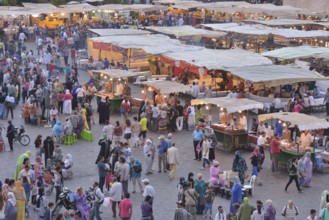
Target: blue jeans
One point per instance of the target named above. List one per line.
(95, 212)
(208, 206)
(205, 161)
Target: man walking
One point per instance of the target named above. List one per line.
(98, 201)
(172, 158)
(115, 194)
(162, 153)
(126, 208)
(275, 151)
(290, 211)
(148, 153)
(197, 140)
(148, 190)
(102, 172)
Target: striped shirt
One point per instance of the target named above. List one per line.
(290, 213)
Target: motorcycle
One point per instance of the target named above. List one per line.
(67, 200)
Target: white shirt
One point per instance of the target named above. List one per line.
(243, 122)
(305, 140)
(311, 100)
(99, 196)
(147, 149)
(40, 41)
(21, 36)
(116, 191)
(155, 112)
(80, 92)
(108, 130)
(220, 216)
(195, 90)
(261, 140)
(277, 103)
(27, 174)
(268, 131)
(148, 191)
(119, 89)
(257, 216)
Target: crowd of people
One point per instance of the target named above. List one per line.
(44, 98)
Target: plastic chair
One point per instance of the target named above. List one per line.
(69, 140)
(75, 138)
(250, 187)
(87, 135)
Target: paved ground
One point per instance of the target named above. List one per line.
(85, 172)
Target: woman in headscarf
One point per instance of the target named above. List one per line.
(190, 179)
(104, 110)
(20, 200)
(239, 165)
(200, 188)
(215, 171)
(80, 125)
(82, 203)
(21, 159)
(58, 131)
(245, 210)
(270, 211)
(68, 163)
(236, 194)
(308, 167)
(67, 106)
(105, 148)
(10, 208)
(37, 167)
(68, 127)
(141, 110)
(84, 115)
(74, 100)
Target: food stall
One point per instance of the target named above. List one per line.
(163, 89)
(228, 131)
(291, 121)
(106, 81)
(204, 63)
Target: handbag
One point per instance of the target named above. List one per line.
(195, 200)
(198, 147)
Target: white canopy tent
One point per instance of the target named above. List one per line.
(83, 7)
(152, 44)
(116, 73)
(230, 104)
(275, 75)
(304, 122)
(296, 52)
(257, 29)
(134, 7)
(281, 22)
(116, 32)
(219, 59)
(166, 87)
(185, 30)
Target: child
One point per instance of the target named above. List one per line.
(180, 187)
(136, 127)
(221, 215)
(205, 152)
(58, 153)
(312, 215)
(209, 200)
(48, 211)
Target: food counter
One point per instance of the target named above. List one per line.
(230, 138)
(287, 154)
(115, 102)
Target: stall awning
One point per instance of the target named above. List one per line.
(304, 122)
(230, 104)
(219, 59)
(295, 52)
(116, 73)
(115, 32)
(282, 22)
(134, 7)
(152, 44)
(258, 29)
(275, 75)
(167, 87)
(83, 7)
(185, 30)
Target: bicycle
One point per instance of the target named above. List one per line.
(22, 138)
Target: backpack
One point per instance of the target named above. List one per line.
(291, 168)
(137, 168)
(123, 108)
(285, 211)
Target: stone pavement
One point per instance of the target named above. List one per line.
(85, 171)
